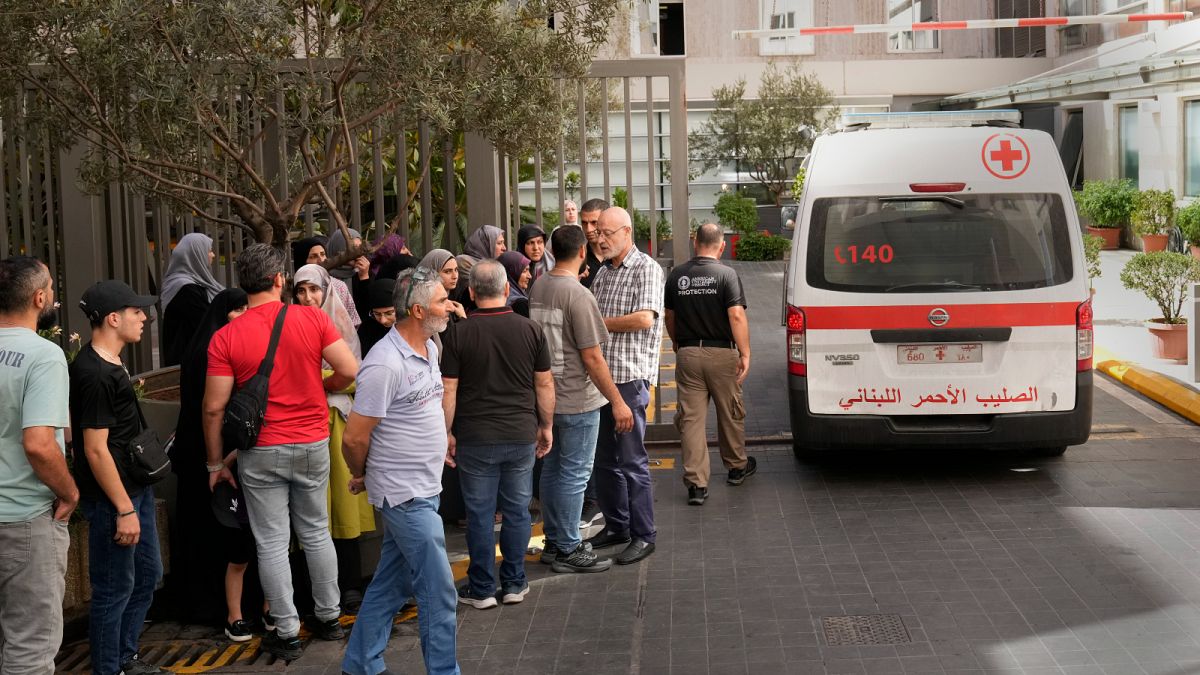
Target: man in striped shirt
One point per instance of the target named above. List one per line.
(629, 293)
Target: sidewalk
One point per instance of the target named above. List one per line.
(1123, 346)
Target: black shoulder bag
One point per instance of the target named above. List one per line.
(146, 461)
(248, 406)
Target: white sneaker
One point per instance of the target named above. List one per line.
(465, 597)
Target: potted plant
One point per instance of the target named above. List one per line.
(1163, 276)
(1153, 216)
(1188, 222)
(1109, 206)
(1091, 254)
(737, 213)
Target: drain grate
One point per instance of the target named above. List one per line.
(866, 629)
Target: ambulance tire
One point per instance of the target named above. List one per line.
(1056, 451)
(804, 454)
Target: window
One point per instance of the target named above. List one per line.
(670, 21)
(1191, 149)
(1127, 141)
(907, 12)
(967, 242)
(1074, 36)
(785, 14)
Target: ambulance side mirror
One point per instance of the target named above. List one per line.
(787, 216)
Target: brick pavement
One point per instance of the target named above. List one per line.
(991, 563)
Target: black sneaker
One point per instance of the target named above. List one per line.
(582, 559)
(238, 631)
(608, 538)
(697, 495)
(287, 649)
(136, 666)
(549, 553)
(268, 622)
(330, 630)
(591, 514)
(737, 476)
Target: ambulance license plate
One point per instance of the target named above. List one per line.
(971, 352)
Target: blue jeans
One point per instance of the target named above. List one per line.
(489, 473)
(123, 580)
(285, 487)
(565, 473)
(412, 561)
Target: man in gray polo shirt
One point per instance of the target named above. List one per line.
(395, 447)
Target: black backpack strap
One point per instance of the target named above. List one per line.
(268, 362)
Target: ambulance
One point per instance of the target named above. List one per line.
(937, 295)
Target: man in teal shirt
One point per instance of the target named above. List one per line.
(37, 493)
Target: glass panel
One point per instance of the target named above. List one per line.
(968, 242)
(1127, 137)
(1191, 149)
(907, 12)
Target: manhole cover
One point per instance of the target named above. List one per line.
(867, 629)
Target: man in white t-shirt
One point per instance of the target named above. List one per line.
(395, 447)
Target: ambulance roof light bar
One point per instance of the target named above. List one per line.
(972, 24)
(930, 119)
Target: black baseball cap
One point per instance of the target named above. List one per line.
(229, 506)
(106, 297)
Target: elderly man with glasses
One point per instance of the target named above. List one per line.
(394, 445)
(629, 292)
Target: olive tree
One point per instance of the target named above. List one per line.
(175, 98)
(767, 135)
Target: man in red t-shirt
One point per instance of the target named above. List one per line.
(285, 476)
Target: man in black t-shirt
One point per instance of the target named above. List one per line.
(499, 404)
(124, 563)
(706, 319)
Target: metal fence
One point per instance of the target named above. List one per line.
(122, 234)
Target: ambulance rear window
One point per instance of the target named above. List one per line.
(933, 243)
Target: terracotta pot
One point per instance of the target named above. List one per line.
(1168, 340)
(1195, 252)
(1154, 242)
(1110, 235)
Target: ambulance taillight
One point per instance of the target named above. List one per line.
(795, 341)
(1083, 337)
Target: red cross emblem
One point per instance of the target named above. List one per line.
(1005, 156)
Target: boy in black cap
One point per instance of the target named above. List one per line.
(124, 563)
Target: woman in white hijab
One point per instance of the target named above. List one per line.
(187, 289)
(311, 287)
(349, 515)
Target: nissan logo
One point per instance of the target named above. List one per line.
(939, 317)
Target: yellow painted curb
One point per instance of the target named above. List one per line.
(1156, 386)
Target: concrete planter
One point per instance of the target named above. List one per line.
(1168, 340)
(1110, 235)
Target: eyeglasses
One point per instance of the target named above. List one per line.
(420, 275)
(382, 315)
(608, 234)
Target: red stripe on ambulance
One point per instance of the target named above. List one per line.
(961, 316)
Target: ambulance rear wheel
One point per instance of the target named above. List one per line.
(1056, 451)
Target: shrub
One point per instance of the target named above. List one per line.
(641, 222)
(1107, 203)
(1188, 220)
(1091, 253)
(1162, 276)
(1154, 212)
(798, 183)
(758, 246)
(736, 212)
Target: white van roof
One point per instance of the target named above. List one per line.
(986, 159)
